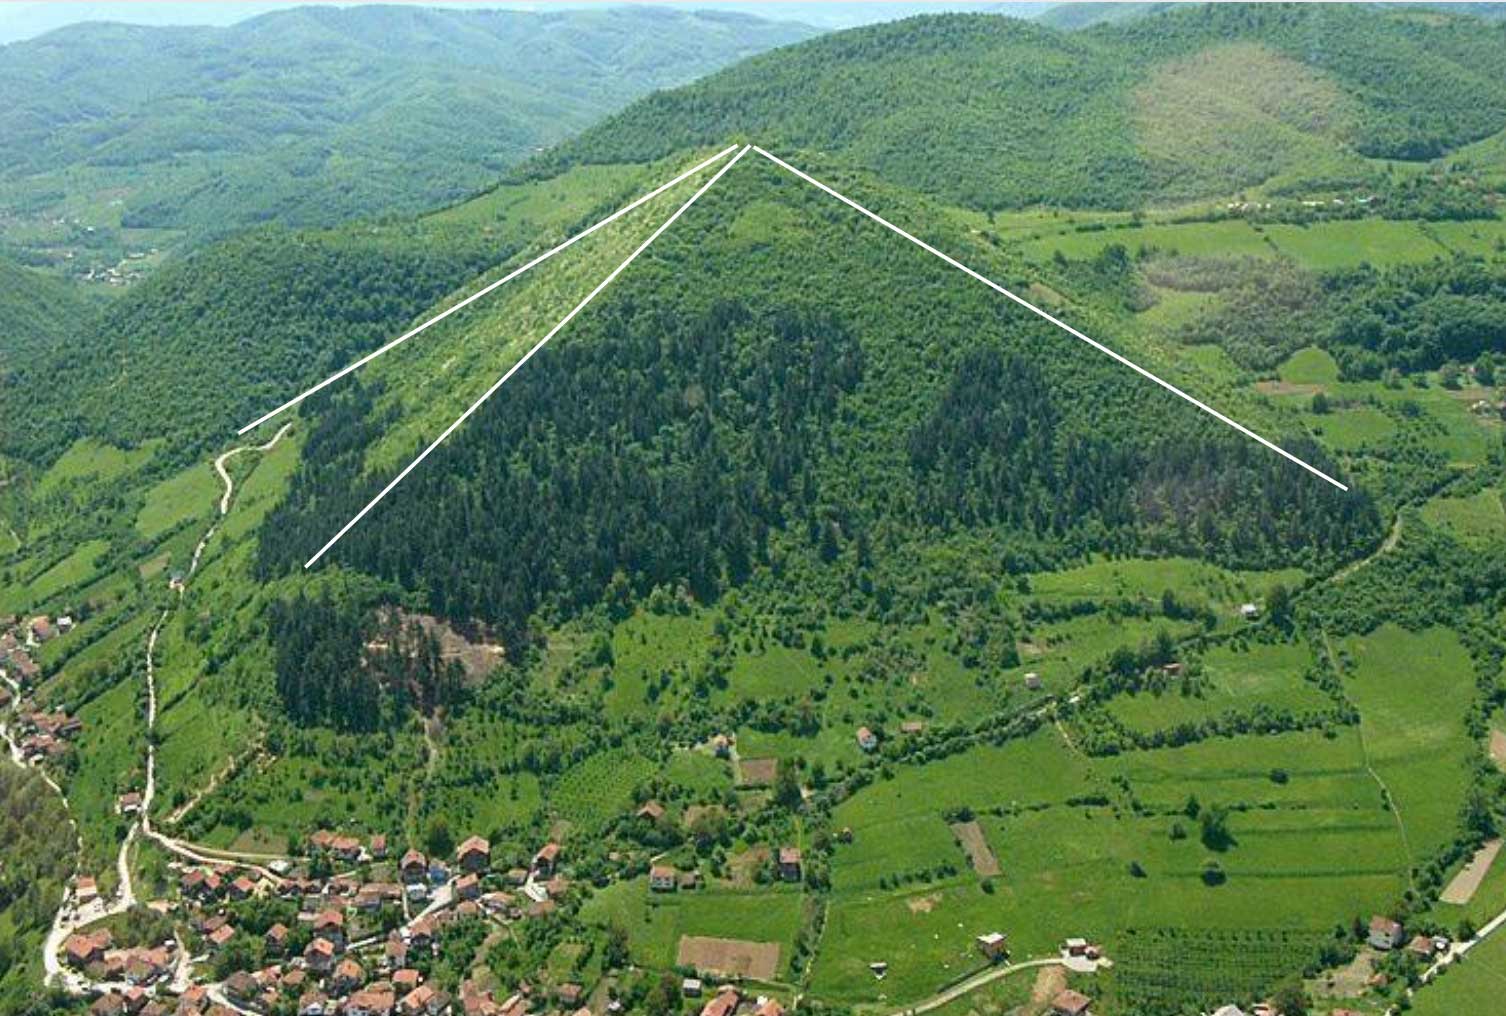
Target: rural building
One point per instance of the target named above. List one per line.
(1033, 681)
(319, 956)
(378, 847)
(911, 727)
(276, 938)
(663, 878)
(768, 1007)
(474, 855)
(129, 803)
(1229, 1010)
(1070, 1003)
(993, 945)
(691, 987)
(1249, 611)
(413, 866)
(724, 1004)
(1421, 945)
(330, 925)
(468, 887)
(547, 857)
(314, 1003)
(867, 740)
(1075, 946)
(220, 936)
(789, 864)
(1385, 934)
(651, 810)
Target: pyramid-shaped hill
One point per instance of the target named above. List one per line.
(779, 379)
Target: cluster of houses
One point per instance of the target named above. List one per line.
(1386, 935)
(93, 953)
(729, 1000)
(18, 641)
(338, 962)
(42, 735)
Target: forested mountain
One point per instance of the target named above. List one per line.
(996, 113)
(751, 398)
(36, 313)
(797, 538)
(319, 114)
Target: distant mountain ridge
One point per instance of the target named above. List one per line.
(997, 113)
(312, 115)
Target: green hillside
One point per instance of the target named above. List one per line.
(995, 113)
(1129, 675)
(37, 314)
(121, 138)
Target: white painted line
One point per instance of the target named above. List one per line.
(337, 375)
(1247, 432)
(527, 356)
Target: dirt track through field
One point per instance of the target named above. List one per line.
(970, 835)
(1461, 888)
(730, 957)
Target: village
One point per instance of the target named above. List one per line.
(37, 735)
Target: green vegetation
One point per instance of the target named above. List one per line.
(137, 138)
(924, 91)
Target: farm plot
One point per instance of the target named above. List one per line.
(975, 843)
(594, 791)
(729, 957)
(1082, 856)
(1462, 887)
(1412, 692)
(656, 923)
(1169, 969)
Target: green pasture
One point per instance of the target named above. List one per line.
(656, 921)
(1476, 520)
(1349, 242)
(1412, 691)
(191, 494)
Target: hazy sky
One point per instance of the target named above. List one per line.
(25, 19)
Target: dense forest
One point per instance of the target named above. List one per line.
(697, 428)
(207, 344)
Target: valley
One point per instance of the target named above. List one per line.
(806, 617)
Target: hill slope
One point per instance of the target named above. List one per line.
(314, 115)
(996, 113)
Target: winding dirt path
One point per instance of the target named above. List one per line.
(68, 918)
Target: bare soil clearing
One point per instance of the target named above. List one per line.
(1461, 889)
(756, 772)
(729, 957)
(970, 835)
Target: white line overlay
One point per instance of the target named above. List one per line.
(603, 284)
(337, 375)
(1247, 432)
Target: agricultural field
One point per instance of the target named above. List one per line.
(1416, 742)
(1477, 520)
(1235, 678)
(655, 922)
